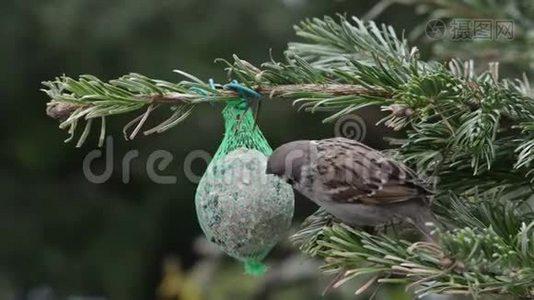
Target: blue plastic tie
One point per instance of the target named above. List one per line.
(211, 83)
(244, 92)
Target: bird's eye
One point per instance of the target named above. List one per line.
(290, 181)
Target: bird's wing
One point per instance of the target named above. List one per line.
(354, 173)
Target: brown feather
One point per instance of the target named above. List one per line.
(355, 173)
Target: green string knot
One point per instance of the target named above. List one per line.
(255, 268)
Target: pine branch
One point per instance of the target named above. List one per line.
(473, 260)
(332, 44)
(89, 97)
(456, 120)
(470, 115)
(514, 53)
(472, 132)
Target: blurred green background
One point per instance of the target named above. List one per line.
(63, 237)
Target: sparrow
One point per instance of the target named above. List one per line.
(356, 184)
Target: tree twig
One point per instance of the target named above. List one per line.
(60, 109)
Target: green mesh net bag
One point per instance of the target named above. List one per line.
(241, 209)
